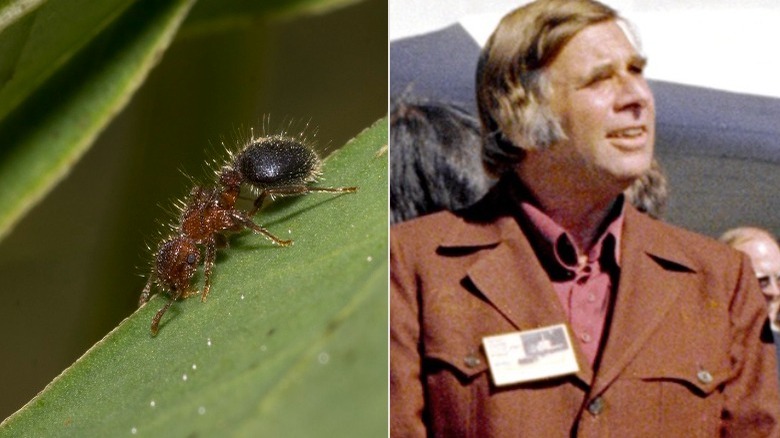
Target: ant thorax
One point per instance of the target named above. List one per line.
(207, 213)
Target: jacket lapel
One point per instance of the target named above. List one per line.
(646, 292)
(510, 277)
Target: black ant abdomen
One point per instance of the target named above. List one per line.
(275, 165)
(277, 162)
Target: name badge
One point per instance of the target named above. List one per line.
(530, 355)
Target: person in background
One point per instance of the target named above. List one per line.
(762, 248)
(552, 307)
(435, 163)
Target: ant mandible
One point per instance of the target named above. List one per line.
(273, 165)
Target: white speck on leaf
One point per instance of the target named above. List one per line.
(323, 358)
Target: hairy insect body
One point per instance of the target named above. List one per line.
(278, 162)
(271, 166)
(206, 215)
(275, 166)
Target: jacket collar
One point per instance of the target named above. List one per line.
(487, 222)
(493, 220)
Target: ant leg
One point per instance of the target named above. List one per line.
(220, 241)
(296, 190)
(302, 190)
(158, 316)
(245, 221)
(146, 292)
(161, 312)
(331, 189)
(208, 264)
(258, 203)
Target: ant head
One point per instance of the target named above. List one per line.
(176, 262)
(277, 161)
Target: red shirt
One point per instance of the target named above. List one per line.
(583, 281)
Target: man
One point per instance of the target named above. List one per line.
(764, 253)
(662, 331)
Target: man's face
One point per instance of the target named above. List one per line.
(605, 107)
(765, 256)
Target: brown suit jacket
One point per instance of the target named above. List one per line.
(687, 354)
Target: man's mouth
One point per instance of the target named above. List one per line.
(630, 139)
(628, 133)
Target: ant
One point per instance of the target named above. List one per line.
(273, 165)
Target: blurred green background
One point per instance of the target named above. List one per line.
(72, 267)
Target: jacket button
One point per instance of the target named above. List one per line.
(704, 376)
(472, 361)
(596, 406)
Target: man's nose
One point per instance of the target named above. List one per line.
(635, 95)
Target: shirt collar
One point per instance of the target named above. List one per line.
(554, 245)
(561, 241)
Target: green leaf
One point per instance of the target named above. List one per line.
(66, 68)
(210, 16)
(12, 10)
(208, 12)
(292, 341)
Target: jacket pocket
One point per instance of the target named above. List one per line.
(680, 395)
(457, 383)
(697, 380)
(460, 355)
(453, 324)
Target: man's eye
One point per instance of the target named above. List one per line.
(637, 69)
(597, 80)
(637, 65)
